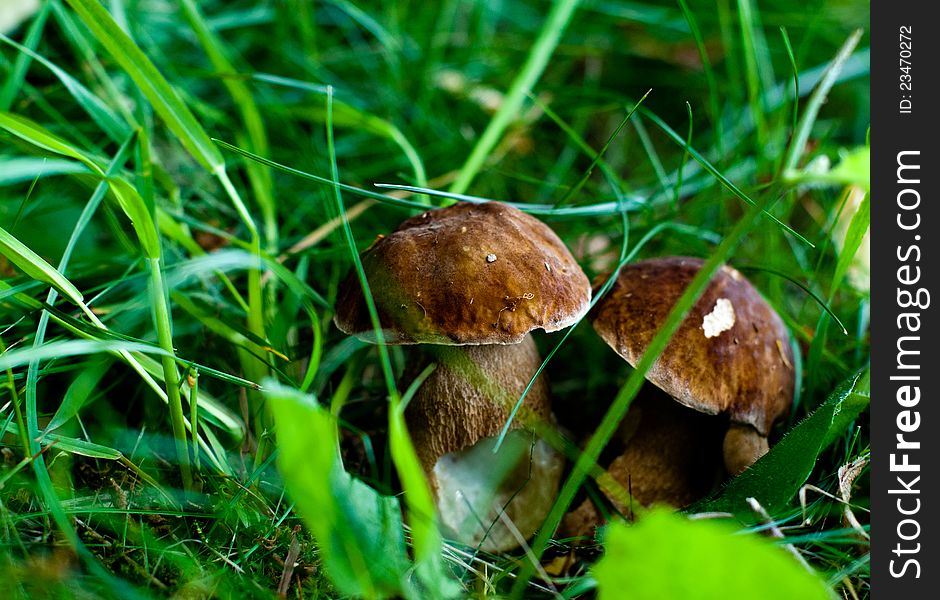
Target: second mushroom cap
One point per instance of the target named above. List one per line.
(731, 354)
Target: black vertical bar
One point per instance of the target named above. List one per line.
(905, 406)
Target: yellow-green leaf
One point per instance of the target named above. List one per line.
(666, 555)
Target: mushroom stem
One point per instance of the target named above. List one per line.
(742, 447)
(454, 419)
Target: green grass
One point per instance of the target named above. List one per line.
(184, 185)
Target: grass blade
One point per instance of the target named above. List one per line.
(100, 113)
(39, 136)
(555, 24)
(718, 175)
(826, 81)
(35, 267)
(426, 538)
(166, 102)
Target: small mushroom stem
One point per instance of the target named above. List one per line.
(742, 447)
(454, 419)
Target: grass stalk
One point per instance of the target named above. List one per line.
(164, 327)
(542, 49)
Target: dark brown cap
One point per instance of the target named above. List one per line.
(466, 274)
(730, 355)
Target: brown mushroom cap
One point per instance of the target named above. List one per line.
(730, 355)
(454, 418)
(466, 274)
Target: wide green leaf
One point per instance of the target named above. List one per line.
(855, 232)
(775, 479)
(359, 532)
(666, 555)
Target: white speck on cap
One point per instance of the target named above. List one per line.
(490, 258)
(720, 319)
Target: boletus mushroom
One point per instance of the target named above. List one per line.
(730, 360)
(469, 282)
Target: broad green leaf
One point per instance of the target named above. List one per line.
(34, 266)
(166, 102)
(359, 532)
(775, 479)
(37, 135)
(665, 555)
(854, 167)
(421, 511)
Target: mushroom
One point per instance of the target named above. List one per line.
(730, 357)
(470, 282)
(662, 453)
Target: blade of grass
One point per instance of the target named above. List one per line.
(796, 77)
(604, 209)
(611, 279)
(816, 99)
(78, 393)
(685, 157)
(218, 55)
(599, 156)
(542, 49)
(18, 73)
(158, 91)
(718, 175)
(751, 69)
(651, 153)
(35, 267)
(822, 303)
(614, 181)
(713, 103)
(100, 113)
(177, 116)
(37, 135)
